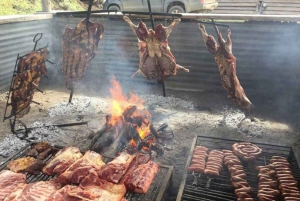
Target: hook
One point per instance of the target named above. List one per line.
(36, 40)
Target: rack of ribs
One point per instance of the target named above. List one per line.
(156, 59)
(79, 47)
(227, 67)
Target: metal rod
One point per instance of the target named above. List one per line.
(71, 93)
(221, 25)
(89, 13)
(147, 13)
(164, 89)
(212, 19)
(86, 12)
(61, 125)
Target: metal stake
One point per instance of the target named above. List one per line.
(152, 23)
(71, 93)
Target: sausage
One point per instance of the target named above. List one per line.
(272, 184)
(194, 161)
(291, 199)
(287, 190)
(240, 184)
(265, 179)
(233, 162)
(244, 189)
(235, 173)
(289, 185)
(211, 172)
(265, 197)
(196, 168)
(243, 195)
(281, 164)
(269, 191)
(287, 181)
(245, 199)
(295, 195)
(201, 148)
(238, 179)
(278, 157)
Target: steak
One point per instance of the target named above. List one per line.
(9, 182)
(79, 47)
(227, 67)
(78, 170)
(141, 178)
(62, 161)
(116, 169)
(156, 59)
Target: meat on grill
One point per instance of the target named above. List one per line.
(267, 185)
(62, 195)
(198, 159)
(62, 160)
(287, 183)
(93, 188)
(227, 67)
(214, 163)
(156, 59)
(26, 80)
(137, 161)
(246, 151)
(116, 169)
(141, 178)
(9, 182)
(37, 191)
(26, 164)
(238, 179)
(79, 169)
(79, 47)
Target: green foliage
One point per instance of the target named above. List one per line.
(13, 7)
(70, 5)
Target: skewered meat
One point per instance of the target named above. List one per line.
(227, 66)
(287, 183)
(156, 59)
(62, 160)
(9, 182)
(214, 163)
(116, 169)
(37, 191)
(79, 47)
(246, 151)
(141, 178)
(78, 170)
(198, 159)
(243, 191)
(26, 80)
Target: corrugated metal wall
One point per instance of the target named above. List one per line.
(16, 38)
(267, 55)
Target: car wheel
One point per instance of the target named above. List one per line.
(176, 9)
(114, 8)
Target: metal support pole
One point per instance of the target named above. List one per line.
(89, 13)
(71, 93)
(152, 23)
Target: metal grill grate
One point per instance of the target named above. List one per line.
(220, 188)
(156, 190)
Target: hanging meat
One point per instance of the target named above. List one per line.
(26, 80)
(156, 59)
(227, 67)
(79, 47)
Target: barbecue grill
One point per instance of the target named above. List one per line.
(155, 193)
(220, 188)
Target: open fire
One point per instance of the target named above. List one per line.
(128, 127)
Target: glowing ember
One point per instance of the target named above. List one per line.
(132, 143)
(120, 102)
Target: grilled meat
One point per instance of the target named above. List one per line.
(227, 67)
(198, 159)
(156, 59)
(214, 163)
(246, 151)
(79, 47)
(21, 164)
(9, 181)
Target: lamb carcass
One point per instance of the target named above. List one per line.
(156, 59)
(227, 66)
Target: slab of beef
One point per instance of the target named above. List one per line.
(141, 178)
(62, 195)
(62, 160)
(137, 161)
(79, 47)
(227, 67)
(37, 191)
(156, 59)
(116, 169)
(78, 170)
(26, 80)
(9, 181)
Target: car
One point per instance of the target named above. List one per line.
(161, 6)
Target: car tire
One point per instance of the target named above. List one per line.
(114, 8)
(176, 9)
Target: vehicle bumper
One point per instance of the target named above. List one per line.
(206, 6)
(210, 6)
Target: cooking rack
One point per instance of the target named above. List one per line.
(220, 188)
(156, 191)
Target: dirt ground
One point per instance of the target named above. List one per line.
(187, 114)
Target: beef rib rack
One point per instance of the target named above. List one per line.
(227, 66)
(156, 59)
(79, 47)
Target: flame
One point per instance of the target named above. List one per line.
(132, 143)
(119, 102)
